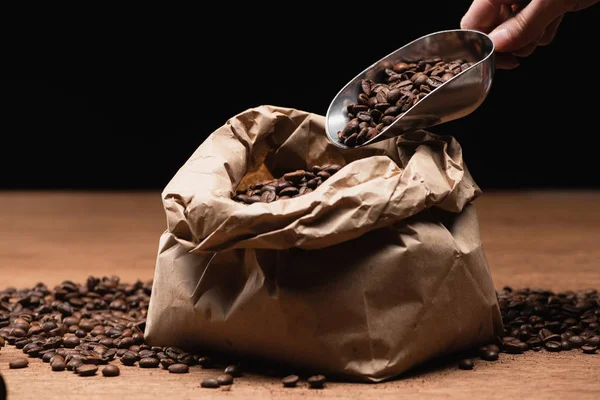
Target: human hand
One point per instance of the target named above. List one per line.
(517, 27)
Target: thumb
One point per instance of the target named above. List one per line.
(526, 26)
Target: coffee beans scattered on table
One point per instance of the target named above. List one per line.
(290, 185)
(79, 327)
(536, 319)
(402, 86)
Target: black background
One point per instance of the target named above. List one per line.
(124, 111)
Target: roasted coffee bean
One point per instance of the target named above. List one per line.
(210, 383)
(489, 355)
(149, 362)
(387, 120)
(513, 348)
(47, 356)
(587, 349)
(294, 177)
(553, 346)
(129, 358)
(58, 365)
(268, 197)
(178, 368)
(71, 342)
(576, 342)
(401, 67)
(465, 364)
(593, 341)
(234, 371)
(225, 380)
(148, 354)
(18, 363)
(87, 370)
(290, 381)
(316, 382)
(110, 371)
(565, 345)
(205, 362)
(73, 364)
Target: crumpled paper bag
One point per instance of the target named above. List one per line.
(378, 270)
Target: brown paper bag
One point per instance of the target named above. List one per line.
(379, 269)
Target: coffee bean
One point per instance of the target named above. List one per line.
(576, 342)
(565, 345)
(149, 354)
(71, 341)
(512, 348)
(593, 341)
(47, 356)
(465, 364)
(87, 370)
(587, 349)
(225, 379)
(58, 365)
(294, 177)
(149, 362)
(316, 382)
(234, 371)
(18, 363)
(366, 87)
(401, 67)
(129, 358)
(290, 381)
(34, 350)
(387, 120)
(419, 79)
(553, 346)
(210, 383)
(111, 370)
(179, 369)
(73, 364)
(324, 175)
(205, 362)
(447, 76)
(489, 355)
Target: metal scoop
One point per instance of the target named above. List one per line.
(453, 99)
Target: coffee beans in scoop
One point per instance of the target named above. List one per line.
(402, 86)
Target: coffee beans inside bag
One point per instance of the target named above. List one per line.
(374, 267)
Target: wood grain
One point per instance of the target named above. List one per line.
(534, 239)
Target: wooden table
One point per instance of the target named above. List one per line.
(535, 239)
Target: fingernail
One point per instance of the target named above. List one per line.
(500, 37)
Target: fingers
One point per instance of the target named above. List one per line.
(483, 15)
(581, 4)
(525, 51)
(506, 61)
(550, 32)
(526, 26)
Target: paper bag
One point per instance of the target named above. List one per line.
(379, 269)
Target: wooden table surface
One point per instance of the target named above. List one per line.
(534, 239)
